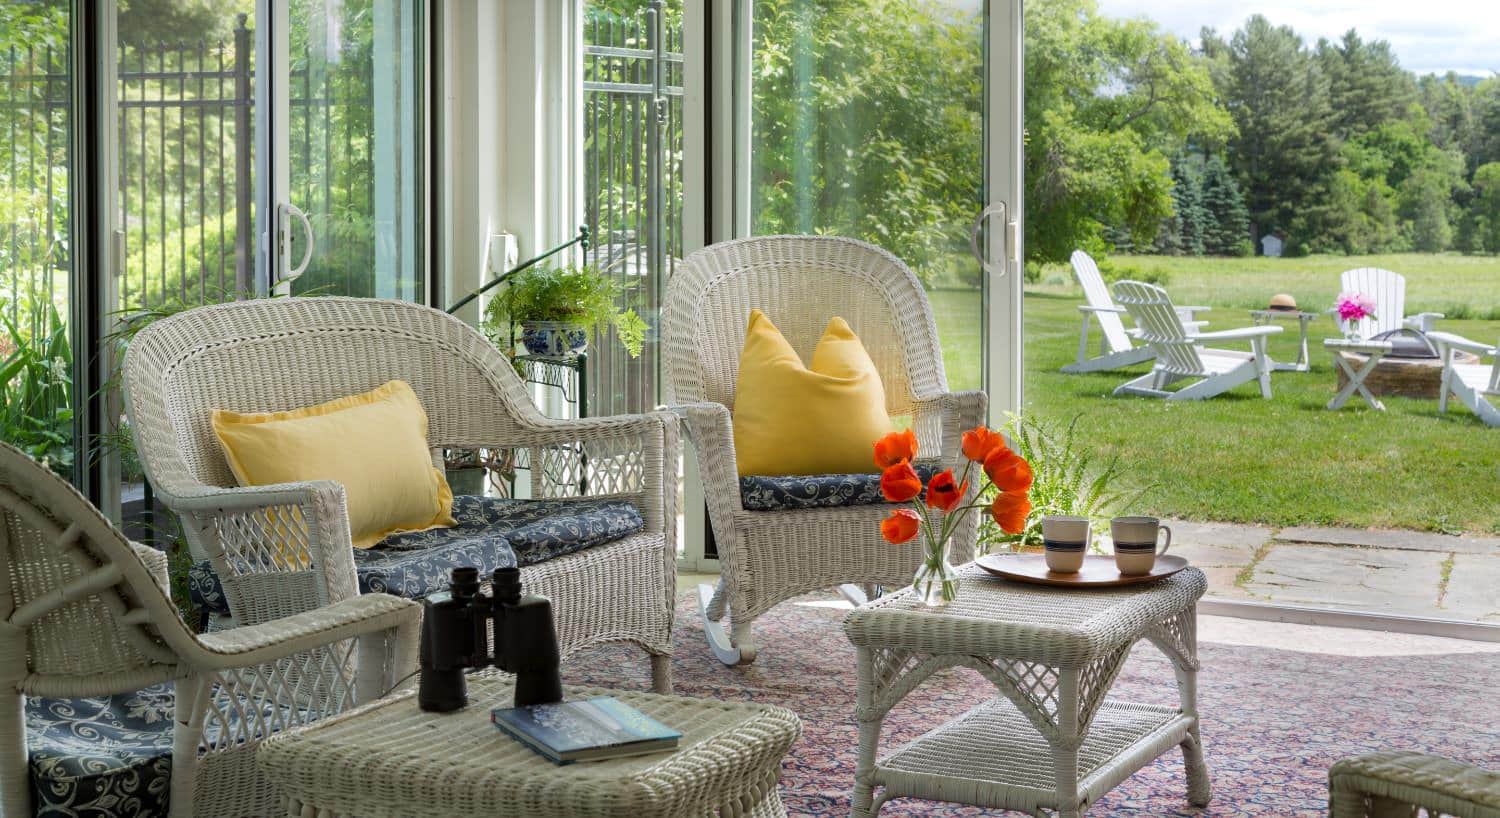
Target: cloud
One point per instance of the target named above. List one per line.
(1432, 36)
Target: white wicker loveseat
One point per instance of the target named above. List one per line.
(278, 550)
(770, 554)
(111, 705)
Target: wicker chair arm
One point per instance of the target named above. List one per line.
(156, 563)
(321, 525)
(280, 638)
(711, 432)
(1411, 780)
(544, 430)
(958, 412)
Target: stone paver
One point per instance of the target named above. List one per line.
(1217, 545)
(1405, 540)
(1474, 588)
(1359, 579)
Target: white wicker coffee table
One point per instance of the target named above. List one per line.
(391, 759)
(1053, 739)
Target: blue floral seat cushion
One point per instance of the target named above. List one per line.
(101, 756)
(803, 491)
(490, 533)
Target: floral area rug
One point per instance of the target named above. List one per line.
(1273, 720)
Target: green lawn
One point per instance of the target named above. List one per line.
(1286, 461)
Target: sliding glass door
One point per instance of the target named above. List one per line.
(37, 371)
(882, 120)
(347, 136)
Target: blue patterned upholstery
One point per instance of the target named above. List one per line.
(795, 492)
(491, 533)
(102, 756)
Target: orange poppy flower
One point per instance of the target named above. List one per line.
(981, 442)
(901, 526)
(944, 493)
(1008, 471)
(895, 448)
(900, 483)
(1010, 511)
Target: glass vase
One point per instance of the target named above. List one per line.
(936, 581)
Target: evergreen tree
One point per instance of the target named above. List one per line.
(1286, 149)
(1366, 84)
(1182, 232)
(1226, 222)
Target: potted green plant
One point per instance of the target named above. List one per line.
(557, 307)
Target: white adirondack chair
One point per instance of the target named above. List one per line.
(1116, 348)
(1473, 384)
(1180, 352)
(1388, 290)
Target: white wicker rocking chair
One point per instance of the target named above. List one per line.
(282, 353)
(83, 612)
(767, 557)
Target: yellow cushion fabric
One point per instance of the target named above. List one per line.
(374, 444)
(793, 419)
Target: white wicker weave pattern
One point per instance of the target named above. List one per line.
(800, 282)
(392, 759)
(282, 549)
(1378, 785)
(1054, 740)
(83, 613)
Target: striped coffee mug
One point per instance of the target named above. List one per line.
(1136, 543)
(1064, 541)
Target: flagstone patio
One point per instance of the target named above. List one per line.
(1394, 572)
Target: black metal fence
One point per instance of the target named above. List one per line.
(633, 114)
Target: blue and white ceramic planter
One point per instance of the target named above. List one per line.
(553, 338)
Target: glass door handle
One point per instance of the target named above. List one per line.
(289, 211)
(1012, 238)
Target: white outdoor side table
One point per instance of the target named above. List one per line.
(1374, 351)
(389, 759)
(1053, 739)
(1266, 317)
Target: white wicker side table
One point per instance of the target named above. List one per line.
(391, 759)
(1052, 739)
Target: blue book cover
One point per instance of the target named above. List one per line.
(589, 730)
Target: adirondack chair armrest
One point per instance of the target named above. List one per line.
(1422, 321)
(1447, 340)
(1190, 312)
(1089, 308)
(1243, 333)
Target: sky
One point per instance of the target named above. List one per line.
(1429, 36)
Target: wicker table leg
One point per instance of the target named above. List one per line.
(862, 801)
(1065, 744)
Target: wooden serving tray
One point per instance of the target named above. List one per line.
(1097, 571)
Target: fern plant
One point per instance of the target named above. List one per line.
(576, 297)
(1068, 479)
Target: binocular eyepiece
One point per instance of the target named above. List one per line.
(460, 626)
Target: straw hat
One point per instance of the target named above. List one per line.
(1283, 301)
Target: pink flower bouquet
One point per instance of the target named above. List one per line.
(1354, 306)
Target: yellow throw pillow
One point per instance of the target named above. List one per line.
(792, 419)
(374, 444)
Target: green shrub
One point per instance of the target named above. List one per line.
(36, 383)
(1069, 479)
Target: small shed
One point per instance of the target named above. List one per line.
(1271, 246)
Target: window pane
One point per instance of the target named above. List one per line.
(867, 122)
(354, 132)
(36, 120)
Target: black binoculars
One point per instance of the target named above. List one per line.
(460, 625)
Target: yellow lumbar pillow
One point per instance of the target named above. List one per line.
(374, 444)
(793, 419)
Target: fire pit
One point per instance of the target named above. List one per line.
(1411, 369)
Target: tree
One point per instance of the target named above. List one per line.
(1484, 211)
(1366, 84)
(1096, 161)
(1226, 230)
(1284, 149)
(1182, 234)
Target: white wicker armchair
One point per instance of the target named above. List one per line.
(277, 354)
(83, 612)
(1411, 785)
(767, 557)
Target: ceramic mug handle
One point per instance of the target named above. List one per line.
(1168, 543)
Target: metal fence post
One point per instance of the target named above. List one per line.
(244, 190)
